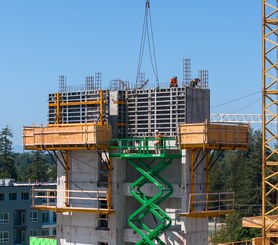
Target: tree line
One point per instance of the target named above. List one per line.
(24, 167)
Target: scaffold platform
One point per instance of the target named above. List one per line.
(69, 200)
(66, 137)
(213, 136)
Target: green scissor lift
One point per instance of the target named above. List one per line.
(43, 241)
(149, 161)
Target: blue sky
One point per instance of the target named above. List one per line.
(41, 40)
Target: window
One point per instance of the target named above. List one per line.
(23, 238)
(23, 216)
(45, 217)
(33, 232)
(54, 217)
(4, 217)
(45, 232)
(52, 200)
(2, 196)
(24, 196)
(34, 216)
(102, 223)
(4, 236)
(40, 195)
(102, 174)
(54, 232)
(12, 196)
(19, 217)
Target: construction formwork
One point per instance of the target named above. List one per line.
(131, 113)
(76, 106)
(163, 109)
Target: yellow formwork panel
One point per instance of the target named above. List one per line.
(66, 136)
(213, 136)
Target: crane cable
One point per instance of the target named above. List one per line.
(147, 31)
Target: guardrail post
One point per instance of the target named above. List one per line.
(33, 196)
(47, 198)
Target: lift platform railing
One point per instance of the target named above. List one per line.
(210, 204)
(144, 147)
(52, 198)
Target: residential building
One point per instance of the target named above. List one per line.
(18, 220)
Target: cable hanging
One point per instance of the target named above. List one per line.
(147, 32)
(234, 100)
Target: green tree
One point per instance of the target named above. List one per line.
(38, 168)
(35, 166)
(23, 161)
(7, 160)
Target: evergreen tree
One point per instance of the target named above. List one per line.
(23, 161)
(37, 170)
(7, 160)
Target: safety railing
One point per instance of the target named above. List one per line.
(144, 147)
(211, 204)
(78, 199)
(246, 242)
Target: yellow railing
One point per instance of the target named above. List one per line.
(210, 204)
(69, 198)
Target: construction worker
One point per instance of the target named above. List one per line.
(173, 82)
(158, 141)
(194, 82)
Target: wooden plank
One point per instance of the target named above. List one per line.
(204, 214)
(203, 135)
(256, 222)
(66, 135)
(74, 209)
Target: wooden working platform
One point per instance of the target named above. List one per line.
(66, 137)
(213, 136)
(82, 201)
(256, 222)
(74, 209)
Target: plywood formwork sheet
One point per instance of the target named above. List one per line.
(213, 135)
(66, 135)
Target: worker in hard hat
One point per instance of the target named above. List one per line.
(158, 141)
(173, 82)
(194, 82)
